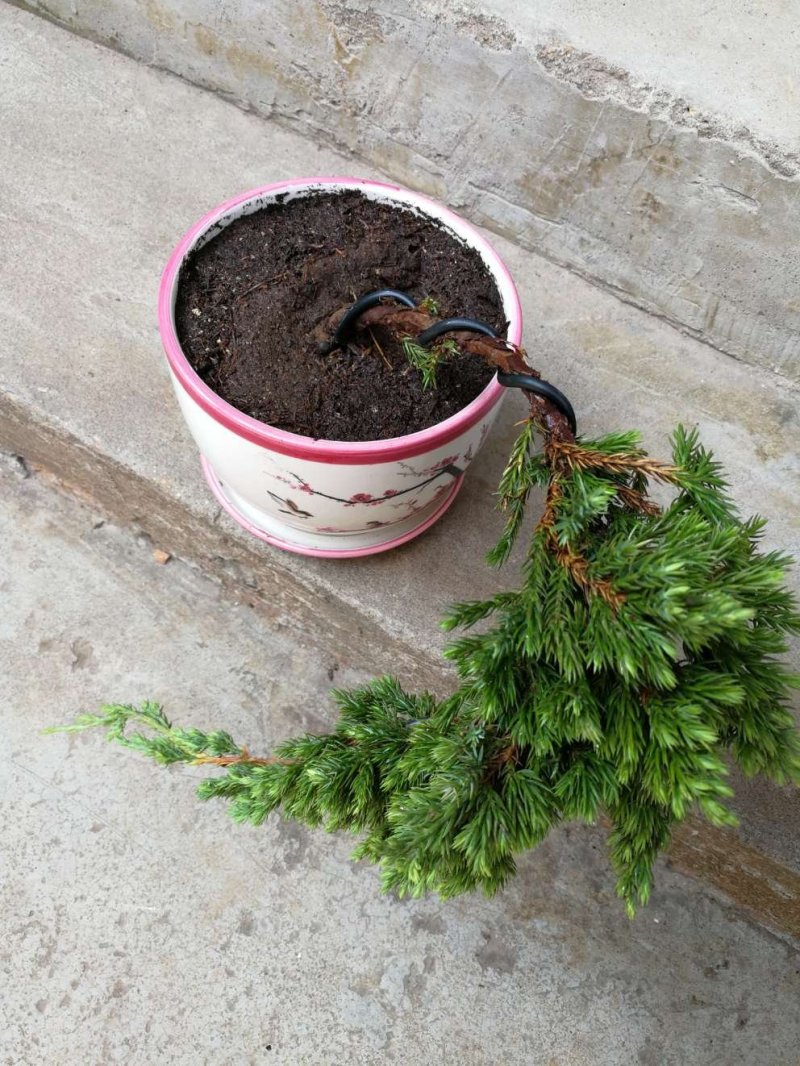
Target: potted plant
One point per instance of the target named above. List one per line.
(332, 498)
(637, 656)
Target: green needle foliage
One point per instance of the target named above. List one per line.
(428, 360)
(429, 304)
(637, 655)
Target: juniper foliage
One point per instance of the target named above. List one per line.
(427, 360)
(638, 652)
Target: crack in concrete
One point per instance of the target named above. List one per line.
(596, 79)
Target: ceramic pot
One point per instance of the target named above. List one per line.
(318, 497)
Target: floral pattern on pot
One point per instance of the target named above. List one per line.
(405, 500)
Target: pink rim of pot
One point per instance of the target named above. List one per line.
(328, 451)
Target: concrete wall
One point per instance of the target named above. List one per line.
(635, 176)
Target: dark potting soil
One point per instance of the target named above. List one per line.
(250, 300)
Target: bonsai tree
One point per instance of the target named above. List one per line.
(636, 655)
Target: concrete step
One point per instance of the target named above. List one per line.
(656, 152)
(131, 910)
(104, 163)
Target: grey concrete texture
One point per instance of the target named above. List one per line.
(103, 165)
(652, 149)
(143, 927)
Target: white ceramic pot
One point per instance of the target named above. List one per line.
(319, 497)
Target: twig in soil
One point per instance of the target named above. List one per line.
(261, 284)
(386, 362)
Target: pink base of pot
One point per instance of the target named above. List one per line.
(327, 553)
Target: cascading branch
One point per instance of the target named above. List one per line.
(639, 650)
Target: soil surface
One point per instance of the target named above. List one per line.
(250, 300)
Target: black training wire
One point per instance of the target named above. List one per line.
(345, 327)
(543, 389)
(519, 381)
(450, 325)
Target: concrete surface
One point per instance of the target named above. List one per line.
(654, 148)
(142, 927)
(104, 163)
